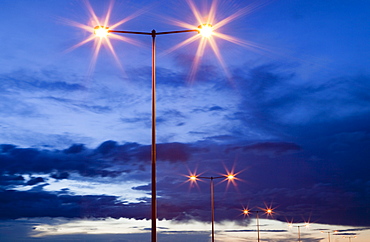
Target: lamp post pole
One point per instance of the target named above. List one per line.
(153, 34)
(246, 211)
(212, 186)
(268, 211)
(213, 208)
(299, 230)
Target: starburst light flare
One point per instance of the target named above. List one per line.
(99, 33)
(209, 28)
(206, 30)
(231, 177)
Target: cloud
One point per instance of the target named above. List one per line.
(280, 174)
(30, 81)
(271, 148)
(18, 204)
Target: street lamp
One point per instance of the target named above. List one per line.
(267, 211)
(349, 237)
(103, 31)
(306, 225)
(329, 232)
(229, 177)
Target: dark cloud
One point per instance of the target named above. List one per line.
(16, 204)
(273, 148)
(102, 161)
(35, 180)
(74, 149)
(60, 176)
(11, 180)
(281, 174)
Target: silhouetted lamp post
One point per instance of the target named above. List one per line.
(211, 178)
(103, 32)
(267, 211)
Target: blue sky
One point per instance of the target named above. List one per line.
(286, 108)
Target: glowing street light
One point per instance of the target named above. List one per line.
(229, 177)
(349, 237)
(329, 232)
(306, 225)
(206, 30)
(267, 211)
(102, 32)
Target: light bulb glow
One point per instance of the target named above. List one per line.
(230, 176)
(193, 178)
(206, 30)
(101, 31)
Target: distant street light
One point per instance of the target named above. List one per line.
(103, 32)
(306, 225)
(229, 177)
(329, 232)
(349, 237)
(267, 211)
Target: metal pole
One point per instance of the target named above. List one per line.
(154, 150)
(258, 227)
(299, 233)
(329, 236)
(213, 210)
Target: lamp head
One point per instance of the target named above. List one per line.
(205, 30)
(193, 178)
(230, 176)
(245, 211)
(101, 31)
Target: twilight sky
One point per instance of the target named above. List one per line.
(284, 103)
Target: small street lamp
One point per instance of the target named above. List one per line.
(229, 177)
(329, 232)
(349, 237)
(306, 225)
(267, 211)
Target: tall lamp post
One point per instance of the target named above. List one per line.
(267, 211)
(103, 31)
(211, 178)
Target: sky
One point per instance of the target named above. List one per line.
(278, 96)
